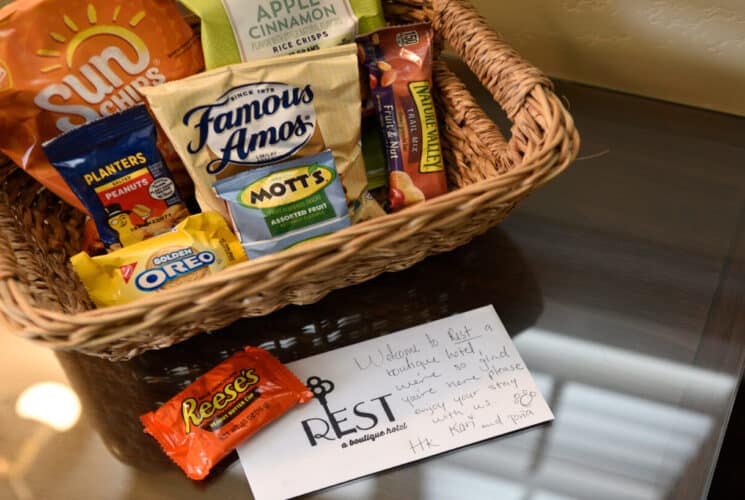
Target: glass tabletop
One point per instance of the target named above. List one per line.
(621, 283)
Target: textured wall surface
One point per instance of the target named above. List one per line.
(688, 51)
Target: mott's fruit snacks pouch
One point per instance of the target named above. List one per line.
(253, 114)
(200, 245)
(280, 206)
(399, 60)
(64, 63)
(244, 30)
(205, 422)
(115, 169)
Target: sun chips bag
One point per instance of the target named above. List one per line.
(64, 63)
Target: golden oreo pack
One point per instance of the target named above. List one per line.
(64, 63)
(200, 245)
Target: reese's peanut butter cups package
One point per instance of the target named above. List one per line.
(64, 63)
(399, 60)
(114, 168)
(279, 206)
(244, 30)
(202, 424)
(258, 113)
(199, 245)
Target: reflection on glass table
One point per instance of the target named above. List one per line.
(620, 283)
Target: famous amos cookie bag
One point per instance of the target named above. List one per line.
(202, 424)
(258, 113)
(199, 245)
(64, 63)
(114, 167)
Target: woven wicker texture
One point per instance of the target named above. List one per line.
(42, 300)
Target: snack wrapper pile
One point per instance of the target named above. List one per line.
(253, 114)
(107, 104)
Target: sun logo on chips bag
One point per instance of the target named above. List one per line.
(71, 62)
(108, 79)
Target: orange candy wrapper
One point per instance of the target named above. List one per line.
(203, 423)
(64, 63)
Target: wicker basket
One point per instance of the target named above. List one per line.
(42, 300)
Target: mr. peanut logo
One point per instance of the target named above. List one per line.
(363, 416)
(100, 62)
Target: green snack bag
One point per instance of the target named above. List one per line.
(244, 30)
(376, 165)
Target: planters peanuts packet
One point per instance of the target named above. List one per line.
(276, 207)
(114, 168)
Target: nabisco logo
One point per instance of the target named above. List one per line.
(253, 124)
(105, 81)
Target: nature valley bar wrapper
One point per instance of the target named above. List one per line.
(64, 63)
(245, 30)
(249, 115)
(399, 61)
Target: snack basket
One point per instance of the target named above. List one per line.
(42, 300)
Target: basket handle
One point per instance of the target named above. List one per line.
(525, 94)
(9, 278)
(507, 76)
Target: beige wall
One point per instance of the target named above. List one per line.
(688, 51)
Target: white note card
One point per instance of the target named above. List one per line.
(393, 400)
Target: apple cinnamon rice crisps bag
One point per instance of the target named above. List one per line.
(245, 30)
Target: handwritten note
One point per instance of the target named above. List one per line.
(395, 399)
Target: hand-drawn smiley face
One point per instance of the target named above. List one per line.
(524, 398)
